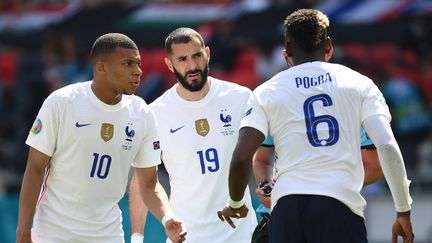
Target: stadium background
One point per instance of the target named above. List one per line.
(44, 45)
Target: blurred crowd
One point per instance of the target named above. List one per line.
(402, 69)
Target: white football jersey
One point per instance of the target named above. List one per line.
(92, 146)
(314, 111)
(197, 140)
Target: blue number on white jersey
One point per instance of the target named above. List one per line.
(312, 122)
(103, 166)
(209, 157)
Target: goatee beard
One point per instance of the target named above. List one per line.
(194, 86)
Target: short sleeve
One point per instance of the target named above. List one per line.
(149, 152)
(374, 103)
(254, 116)
(43, 134)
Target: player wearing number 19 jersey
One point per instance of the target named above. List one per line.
(197, 140)
(198, 120)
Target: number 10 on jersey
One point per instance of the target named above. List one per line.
(101, 166)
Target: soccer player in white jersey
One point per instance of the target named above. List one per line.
(198, 120)
(82, 144)
(263, 170)
(313, 111)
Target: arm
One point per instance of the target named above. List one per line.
(390, 157)
(263, 167)
(241, 165)
(138, 212)
(372, 167)
(156, 199)
(30, 188)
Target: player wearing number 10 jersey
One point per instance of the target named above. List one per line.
(82, 145)
(90, 162)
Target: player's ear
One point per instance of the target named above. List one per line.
(287, 53)
(207, 50)
(100, 66)
(328, 49)
(169, 64)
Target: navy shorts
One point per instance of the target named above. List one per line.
(315, 219)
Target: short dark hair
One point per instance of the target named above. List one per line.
(107, 43)
(306, 29)
(181, 35)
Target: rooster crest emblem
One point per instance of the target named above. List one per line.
(226, 120)
(129, 134)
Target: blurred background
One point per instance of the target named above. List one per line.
(45, 44)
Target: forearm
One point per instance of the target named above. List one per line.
(391, 161)
(261, 172)
(239, 177)
(241, 164)
(262, 167)
(153, 194)
(372, 168)
(137, 208)
(29, 194)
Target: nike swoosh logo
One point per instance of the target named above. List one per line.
(175, 130)
(82, 125)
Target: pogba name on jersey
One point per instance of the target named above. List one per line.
(310, 81)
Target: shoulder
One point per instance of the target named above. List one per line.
(342, 70)
(163, 100)
(68, 93)
(229, 87)
(137, 103)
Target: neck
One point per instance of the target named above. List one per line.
(104, 94)
(193, 96)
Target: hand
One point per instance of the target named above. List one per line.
(265, 200)
(402, 227)
(175, 230)
(228, 212)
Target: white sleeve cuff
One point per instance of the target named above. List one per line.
(137, 238)
(166, 217)
(236, 204)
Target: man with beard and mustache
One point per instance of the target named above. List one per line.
(197, 120)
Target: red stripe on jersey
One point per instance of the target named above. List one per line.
(44, 185)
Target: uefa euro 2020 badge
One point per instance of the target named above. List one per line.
(37, 127)
(130, 133)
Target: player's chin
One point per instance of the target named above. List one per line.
(130, 91)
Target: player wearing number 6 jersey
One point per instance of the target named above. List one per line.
(313, 111)
(198, 121)
(82, 144)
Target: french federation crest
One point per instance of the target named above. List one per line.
(226, 120)
(107, 131)
(202, 127)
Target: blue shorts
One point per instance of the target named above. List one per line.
(315, 219)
